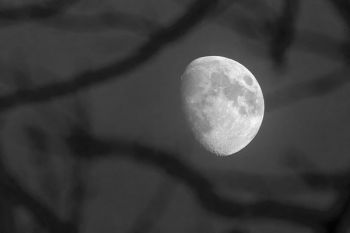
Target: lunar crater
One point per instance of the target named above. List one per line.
(224, 103)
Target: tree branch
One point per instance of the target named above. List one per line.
(92, 148)
(158, 40)
(308, 89)
(11, 190)
(103, 21)
(156, 207)
(35, 11)
(88, 23)
(339, 221)
(260, 31)
(284, 30)
(343, 8)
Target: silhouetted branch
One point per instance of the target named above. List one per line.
(320, 44)
(341, 207)
(155, 208)
(283, 30)
(343, 8)
(158, 40)
(7, 223)
(102, 22)
(297, 160)
(260, 29)
(36, 10)
(88, 147)
(287, 185)
(77, 194)
(338, 222)
(203, 189)
(11, 190)
(308, 89)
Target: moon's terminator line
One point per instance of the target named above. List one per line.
(223, 103)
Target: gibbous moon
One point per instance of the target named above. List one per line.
(223, 103)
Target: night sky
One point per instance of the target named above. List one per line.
(298, 157)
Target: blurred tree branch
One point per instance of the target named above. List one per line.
(283, 30)
(77, 195)
(7, 222)
(36, 10)
(157, 41)
(10, 189)
(316, 181)
(338, 223)
(85, 146)
(99, 22)
(307, 89)
(279, 33)
(92, 148)
(156, 207)
(343, 8)
(102, 22)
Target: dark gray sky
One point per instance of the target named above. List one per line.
(145, 106)
(147, 103)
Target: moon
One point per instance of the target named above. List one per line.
(223, 103)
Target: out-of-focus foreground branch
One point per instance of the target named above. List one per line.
(343, 8)
(284, 30)
(11, 190)
(91, 148)
(102, 22)
(157, 41)
(317, 86)
(35, 10)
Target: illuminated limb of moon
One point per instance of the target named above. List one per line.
(223, 103)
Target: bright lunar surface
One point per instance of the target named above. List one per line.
(223, 102)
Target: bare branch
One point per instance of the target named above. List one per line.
(284, 30)
(258, 29)
(36, 10)
(338, 222)
(87, 23)
(11, 190)
(308, 89)
(195, 13)
(77, 194)
(320, 44)
(155, 208)
(7, 222)
(287, 185)
(92, 148)
(343, 8)
(102, 22)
